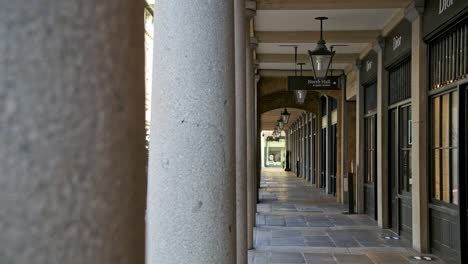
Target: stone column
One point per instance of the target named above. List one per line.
(359, 180)
(382, 139)
(240, 25)
(72, 158)
(191, 189)
(420, 127)
(251, 154)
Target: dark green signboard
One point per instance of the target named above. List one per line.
(311, 83)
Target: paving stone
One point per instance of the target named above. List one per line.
(319, 258)
(388, 259)
(320, 244)
(286, 258)
(353, 259)
(288, 241)
(275, 220)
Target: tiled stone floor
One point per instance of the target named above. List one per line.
(297, 223)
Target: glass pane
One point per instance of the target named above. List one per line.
(436, 122)
(446, 175)
(445, 120)
(410, 128)
(404, 170)
(410, 171)
(454, 121)
(404, 127)
(455, 176)
(436, 174)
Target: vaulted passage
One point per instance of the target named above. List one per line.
(233, 131)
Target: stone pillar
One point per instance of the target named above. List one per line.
(339, 150)
(359, 181)
(240, 25)
(420, 127)
(251, 154)
(191, 189)
(382, 137)
(72, 96)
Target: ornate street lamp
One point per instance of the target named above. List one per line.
(321, 57)
(280, 124)
(285, 116)
(300, 95)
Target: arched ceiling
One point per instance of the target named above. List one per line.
(355, 23)
(269, 119)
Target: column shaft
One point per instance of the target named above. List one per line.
(420, 138)
(191, 188)
(382, 141)
(251, 154)
(72, 184)
(359, 178)
(240, 25)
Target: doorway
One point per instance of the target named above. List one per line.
(400, 172)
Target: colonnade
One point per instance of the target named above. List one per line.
(74, 186)
(300, 137)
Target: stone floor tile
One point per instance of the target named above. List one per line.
(288, 241)
(283, 257)
(352, 259)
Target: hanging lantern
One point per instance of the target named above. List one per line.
(280, 123)
(300, 96)
(285, 116)
(321, 57)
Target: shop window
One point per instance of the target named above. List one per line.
(448, 57)
(370, 98)
(400, 82)
(406, 180)
(444, 156)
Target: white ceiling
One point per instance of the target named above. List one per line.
(304, 20)
(341, 20)
(290, 66)
(276, 48)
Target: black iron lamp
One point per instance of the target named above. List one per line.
(280, 123)
(300, 94)
(321, 57)
(285, 116)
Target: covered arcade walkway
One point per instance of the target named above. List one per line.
(298, 223)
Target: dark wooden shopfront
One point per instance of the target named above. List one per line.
(446, 31)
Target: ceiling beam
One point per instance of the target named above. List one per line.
(359, 36)
(286, 73)
(289, 58)
(328, 4)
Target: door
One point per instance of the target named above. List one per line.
(400, 170)
(393, 170)
(444, 164)
(323, 155)
(370, 170)
(313, 155)
(332, 162)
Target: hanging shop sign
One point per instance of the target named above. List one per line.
(439, 13)
(311, 83)
(398, 43)
(369, 68)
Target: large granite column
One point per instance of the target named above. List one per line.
(382, 137)
(251, 153)
(359, 177)
(72, 157)
(240, 25)
(191, 186)
(419, 104)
